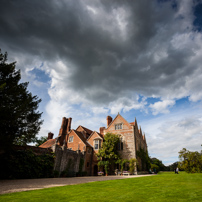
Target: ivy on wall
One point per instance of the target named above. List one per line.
(144, 156)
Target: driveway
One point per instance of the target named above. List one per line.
(9, 186)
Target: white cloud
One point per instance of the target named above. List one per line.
(169, 133)
(126, 104)
(111, 50)
(161, 106)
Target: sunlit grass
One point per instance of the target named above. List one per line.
(161, 187)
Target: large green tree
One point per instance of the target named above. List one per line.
(159, 163)
(108, 154)
(191, 162)
(109, 150)
(20, 119)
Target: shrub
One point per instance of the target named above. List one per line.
(25, 164)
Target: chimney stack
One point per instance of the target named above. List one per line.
(63, 126)
(102, 130)
(69, 121)
(109, 120)
(50, 136)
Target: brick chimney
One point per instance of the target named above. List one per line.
(102, 130)
(109, 120)
(69, 121)
(62, 132)
(63, 126)
(50, 136)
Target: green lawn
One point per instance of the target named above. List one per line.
(161, 187)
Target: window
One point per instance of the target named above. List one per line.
(70, 148)
(71, 138)
(88, 164)
(120, 145)
(97, 144)
(118, 126)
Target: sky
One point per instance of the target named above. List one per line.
(88, 59)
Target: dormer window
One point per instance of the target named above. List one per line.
(97, 144)
(118, 126)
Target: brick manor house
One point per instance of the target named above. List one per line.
(89, 142)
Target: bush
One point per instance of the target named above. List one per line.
(132, 165)
(24, 164)
(154, 168)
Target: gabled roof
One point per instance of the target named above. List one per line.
(97, 134)
(48, 143)
(82, 138)
(115, 119)
(88, 131)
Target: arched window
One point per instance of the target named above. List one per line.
(120, 144)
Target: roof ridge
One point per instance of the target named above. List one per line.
(80, 135)
(115, 118)
(92, 134)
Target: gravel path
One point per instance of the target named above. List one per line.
(9, 186)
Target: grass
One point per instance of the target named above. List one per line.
(162, 187)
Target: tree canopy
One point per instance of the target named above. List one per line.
(19, 119)
(158, 163)
(191, 162)
(40, 141)
(109, 150)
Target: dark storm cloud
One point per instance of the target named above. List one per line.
(114, 47)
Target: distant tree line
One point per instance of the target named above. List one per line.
(190, 162)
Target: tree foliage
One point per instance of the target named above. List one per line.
(159, 163)
(145, 159)
(108, 153)
(173, 166)
(108, 150)
(19, 164)
(132, 165)
(155, 168)
(39, 141)
(19, 119)
(191, 162)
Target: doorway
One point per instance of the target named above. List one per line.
(95, 170)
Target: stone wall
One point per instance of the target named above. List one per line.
(67, 159)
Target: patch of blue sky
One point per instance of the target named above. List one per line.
(140, 115)
(144, 115)
(198, 17)
(40, 90)
(181, 104)
(151, 100)
(41, 76)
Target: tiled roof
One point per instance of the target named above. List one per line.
(48, 143)
(80, 135)
(132, 123)
(87, 130)
(101, 136)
